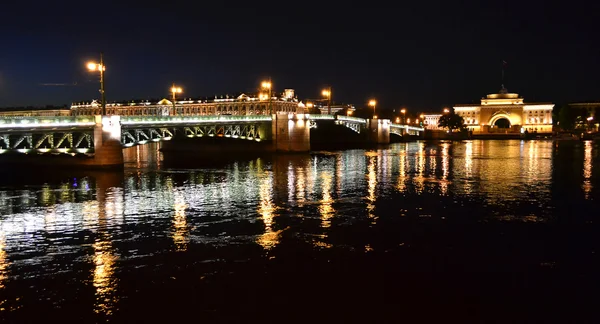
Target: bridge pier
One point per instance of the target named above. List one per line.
(378, 130)
(291, 132)
(108, 151)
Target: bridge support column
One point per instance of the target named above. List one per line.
(108, 152)
(379, 130)
(291, 132)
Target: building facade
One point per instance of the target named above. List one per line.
(430, 121)
(506, 112)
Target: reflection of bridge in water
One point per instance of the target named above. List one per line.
(101, 138)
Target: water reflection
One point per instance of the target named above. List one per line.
(445, 168)
(325, 208)
(108, 212)
(180, 232)
(48, 228)
(104, 281)
(587, 169)
(3, 263)
(401, 186)
(267, 210)
(371, 185)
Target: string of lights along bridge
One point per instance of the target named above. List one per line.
(101, 130)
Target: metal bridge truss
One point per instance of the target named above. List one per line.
(130, 137)
(54, 141)
(135, 136)
(355, 126)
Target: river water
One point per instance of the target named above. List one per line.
(495, 231)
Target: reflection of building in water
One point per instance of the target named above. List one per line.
(180, 232)
(300, 185)
(445, 168)
(420, 165)
(325, 208)
(267, 210)
(402, 171)
(109, 211)
(372, 184)
(587, 169)
(469, 159)
(3, 262)
(104, 281)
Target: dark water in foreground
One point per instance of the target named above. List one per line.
(494, 231)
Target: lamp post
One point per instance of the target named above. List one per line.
(266, 85)
(403, 111)
(327, 93)
(373, 103)
(100, 68)
(175, 90)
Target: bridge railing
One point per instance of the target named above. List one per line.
(137, 120)
(320, 117)
(352, 119)
(46, 121)
(407, 127)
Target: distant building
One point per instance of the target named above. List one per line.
(36, 113)
(592, 108)
(430, 121)
(242, 104)
(506, 112)
(591, 112)
(334, 108)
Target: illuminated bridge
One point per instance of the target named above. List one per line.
(102, 138)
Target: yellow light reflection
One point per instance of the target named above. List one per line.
(104, 281)
(291, 183)
(469, 160)
(180, 232)
(420, 164)
(402, 172)
(533, 157)
(339, 172)
(445, 168)
(587, 169)
(372, 184)
(327, 211)
(300, 186)
(3, 262)
(267, 210)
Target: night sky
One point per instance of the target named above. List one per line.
(422, 56)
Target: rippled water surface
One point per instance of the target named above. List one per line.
(502, 231)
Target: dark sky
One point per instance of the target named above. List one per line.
(421, 56)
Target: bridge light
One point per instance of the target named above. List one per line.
(397, 120)
(326, 93)
(266, 85)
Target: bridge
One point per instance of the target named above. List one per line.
(102, 138)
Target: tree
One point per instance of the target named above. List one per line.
(451, 121)
(566, 118)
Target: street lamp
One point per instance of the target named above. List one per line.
(327, 93)
(175, 90)
(100, 67)
(403, 111)
(446, 110)
(266, 85)
(373, 103)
